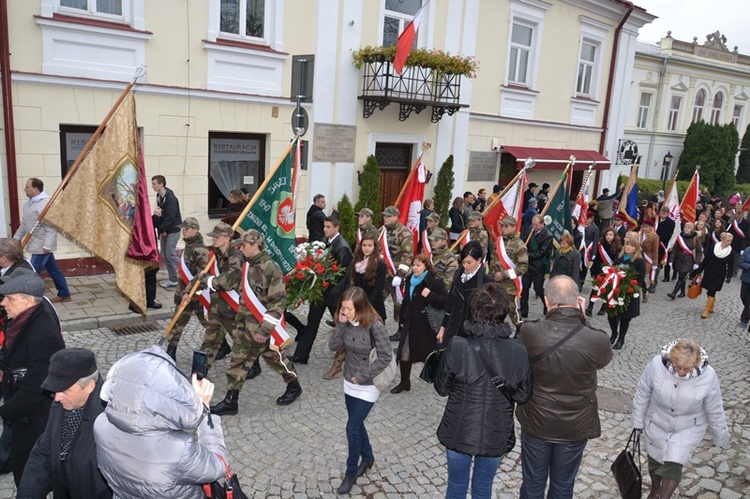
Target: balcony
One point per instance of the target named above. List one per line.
(416, 88)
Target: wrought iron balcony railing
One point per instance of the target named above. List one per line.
(413, 90)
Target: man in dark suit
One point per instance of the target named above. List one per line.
(664, 229)
(620, 228)
(342, 254)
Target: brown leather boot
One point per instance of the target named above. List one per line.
(338, 362)
(405, 384)
(709, 307)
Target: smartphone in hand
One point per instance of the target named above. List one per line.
(200, 364)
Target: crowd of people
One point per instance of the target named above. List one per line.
(496, 363)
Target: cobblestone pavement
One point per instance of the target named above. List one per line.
(299, 451)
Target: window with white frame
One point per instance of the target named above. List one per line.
(397, 14)
(737, 116)
(674, 113)
(718, 104)
(644, 109)
(521, 45)
(699, 105)
(111, 7)
(586, 63)
(243, 18)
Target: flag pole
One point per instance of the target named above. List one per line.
(186, 301)
(528, 164)
(571, 162)
(77, 162)
(425, 146)
(586, 180)
(628, 188)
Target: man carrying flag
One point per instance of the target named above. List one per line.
(397, 245)
(510, 262)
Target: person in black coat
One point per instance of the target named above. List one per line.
(567, 261)
(63, 461)
(630, 256)
(606, 252)
(664, 229)
(167, 219)
(31, 338)
(468, 277)
(458, 220)
(540, 252)
(422, 287)
(716, 267)
(684, 258)
(739, 227)
(315, 219)
(478, 420)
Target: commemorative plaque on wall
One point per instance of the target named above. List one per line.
(334, 143)
(482, 166)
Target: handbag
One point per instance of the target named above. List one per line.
(431, 363)
(434, 317)
(382, 380)
(230, 489)
(694, 290)
(626, 471)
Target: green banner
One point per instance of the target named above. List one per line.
(559, 210)
(273, 215)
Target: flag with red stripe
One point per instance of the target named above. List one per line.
(406, 40)
(410, 205)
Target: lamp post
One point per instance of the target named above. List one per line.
(667, 162)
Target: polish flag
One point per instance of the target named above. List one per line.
(406, 39)
(410, 206)
(691, 198)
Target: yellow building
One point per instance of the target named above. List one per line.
(217, 83)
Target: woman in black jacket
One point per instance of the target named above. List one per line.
(421, 288)
(630, 256)
(604, 254)
(716, 266)
(684, 258)
(458, 220)
(469, 277)
(567, 261)
(478, 420)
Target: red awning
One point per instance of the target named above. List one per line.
(556, 159)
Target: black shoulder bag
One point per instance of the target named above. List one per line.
(494, 377)
(537, 358)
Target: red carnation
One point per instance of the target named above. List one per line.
(319, 269)
(634, 282)
(286, 278)
(611, 305)
(334, 267)
(631, 290)
(325, 284)
(300, 275)
(298, 266)
(599, 278)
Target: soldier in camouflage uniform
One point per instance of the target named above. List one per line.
(477, 232)
(194, 258)
(252, 337)
(443, 259)
(433, 221)
(401, 247)
(222, 313)
(517, 252)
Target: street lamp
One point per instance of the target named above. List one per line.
(667, 162)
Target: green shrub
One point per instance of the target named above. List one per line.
(348, 220)
(369, 192)
(443, 192)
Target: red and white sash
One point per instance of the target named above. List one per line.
(232, 297)
(464, 238)
(508, 265)
(714, 239)
(684, 247)
(279, 336)
(359, 235)
(606, 259)
(664, 250)
(737, 229)
(204, 296)
(386, 252)
(426, 248)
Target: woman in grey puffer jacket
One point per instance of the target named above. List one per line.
(142, 441)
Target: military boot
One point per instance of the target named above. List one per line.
(224, 350)
(293, 390)
(172, 352)
(254, 371)
(227, 406)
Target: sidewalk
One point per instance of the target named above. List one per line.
(95, 303)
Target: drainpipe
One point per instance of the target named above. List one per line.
(610, 81)
(656, 116)
(10, 143)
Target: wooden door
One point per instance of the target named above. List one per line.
(394, 161)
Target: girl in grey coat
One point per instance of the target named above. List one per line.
(677, 398)
(142, 441)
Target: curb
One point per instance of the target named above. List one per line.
(108, 321)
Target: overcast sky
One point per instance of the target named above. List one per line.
(689, 18)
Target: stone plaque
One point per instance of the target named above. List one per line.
(482, 166)
(334, 143)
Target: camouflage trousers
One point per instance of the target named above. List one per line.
(245, 351)
(216, 329)
(389, 290)
(179, 327)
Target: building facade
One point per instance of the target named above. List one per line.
(217, 85)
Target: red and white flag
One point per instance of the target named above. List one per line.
(426, 246)
(279, 336)
(410, 205)
(508, 265)
(672, 202)
(406, 40)
(691, 198)
(510, 204)
(582, 203)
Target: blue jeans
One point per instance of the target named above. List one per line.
(46, 261)
(169, 255)
(356, 434)
(558, 461)
(459, 466)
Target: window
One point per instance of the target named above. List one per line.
(520, 54)
(235, 160)
(644, 109)
(674, 113)
(245, 18)
(73, 138)
(737, 116)
(129, 12)
(586, 68)
(700, 103)
(716, 109)
(398, 13)
(113, 7)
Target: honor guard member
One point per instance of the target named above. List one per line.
(223, 287)
(444, 260)
(401, 253)
(477, 232)
(650, 248)
(262, 283)
(590, 241)
(193, 261)
(364, 222)
(509, 272)
(433, 220)
(539, 253)
(664, 229)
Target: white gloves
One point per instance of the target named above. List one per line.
(396, 281)
(695, 266)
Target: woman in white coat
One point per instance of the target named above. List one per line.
(677, 398)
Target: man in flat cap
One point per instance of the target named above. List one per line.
(443, 259)
(63, 461)
(364, 222)
(398, 260)
(32, 336)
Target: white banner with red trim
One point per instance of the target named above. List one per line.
(508, 265)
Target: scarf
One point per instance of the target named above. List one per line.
(71, 422)
(696, 371)
(416, 281)
(720, 252)
(361, 265)
(566, 250)
(16, 325)
(465, 277)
